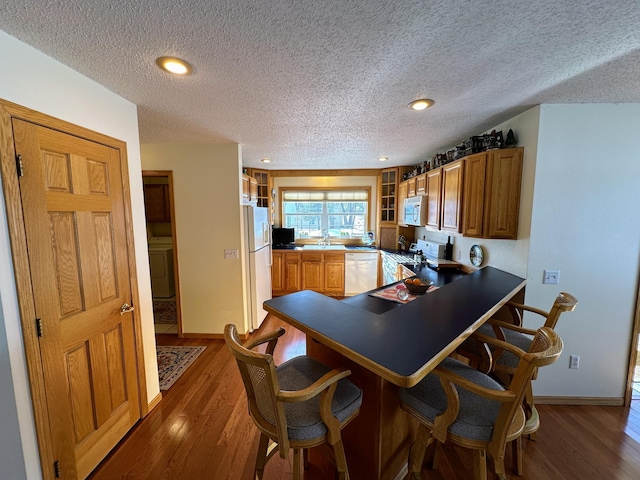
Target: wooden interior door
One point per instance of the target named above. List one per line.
(73, 209)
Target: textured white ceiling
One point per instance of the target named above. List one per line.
(326, 83)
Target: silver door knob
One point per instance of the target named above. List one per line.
(125, 308)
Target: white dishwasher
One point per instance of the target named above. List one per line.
(360, 272)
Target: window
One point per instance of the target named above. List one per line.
(340, 213)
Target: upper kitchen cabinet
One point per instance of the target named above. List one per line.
(402, 195)
(388, 195)
(492, 193)
(249, 189)
(421, 184)
(411, 187)
(434, 197)
(156, 203)
(262, 184)
(452, 178)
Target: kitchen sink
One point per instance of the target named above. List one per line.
(324, 247)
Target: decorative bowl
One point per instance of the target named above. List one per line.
(417, 289)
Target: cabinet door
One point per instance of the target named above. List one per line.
(402, 194)
(312, 272)
(253, 189)
(421, 184)
(156, 203)
(262, 177)
(388, 192)
(502, 193)
(434, 197)
(475, 167)
(411, 187)
(292, 272)
(245, 188)
(277, 271)
(334, 274)
(452, 196)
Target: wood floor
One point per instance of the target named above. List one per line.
(201, 430)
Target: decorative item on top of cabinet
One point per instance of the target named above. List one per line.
(156, 203)
(492, 194)
(452, 178)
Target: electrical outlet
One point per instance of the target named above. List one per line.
(458, 254)
(574, 361)
(551, 277)
(231, 254)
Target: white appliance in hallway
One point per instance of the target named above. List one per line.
(258, 262)
(161, 267)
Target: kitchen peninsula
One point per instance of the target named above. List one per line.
(393, 348)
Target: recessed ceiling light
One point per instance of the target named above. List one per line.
(383, 159)
(421, 104)
(174, 65)
(266, 160)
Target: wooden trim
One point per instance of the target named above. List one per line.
(601, 401)
(633, 353)
(365, 172)
(22, 273)
(154, 402)
(174, 236)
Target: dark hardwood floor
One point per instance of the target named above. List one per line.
(201, 430)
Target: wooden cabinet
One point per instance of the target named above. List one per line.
(421, 184)
(452, 178)
(411, 187)
(249, 189)
(277, 272)
(433, 189)
(388, 192)
(313, 272)
(318, 271)
(402, 195)
(334, 273)
(262, 186)
(492, 193)
(156, 203)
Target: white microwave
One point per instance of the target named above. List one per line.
(415, 211)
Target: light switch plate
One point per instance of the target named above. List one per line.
(231, 254)
(551, 277)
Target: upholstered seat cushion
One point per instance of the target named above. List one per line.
(303, 419)
(476, 416)
(517, 339)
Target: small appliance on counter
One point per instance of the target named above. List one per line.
(435, 255)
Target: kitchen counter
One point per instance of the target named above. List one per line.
(400, 344)
(348, 248)
(390, 347)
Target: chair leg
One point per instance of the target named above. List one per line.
(261, 459)
(305, 458)
(498, 466)
(341, 460)
(479, 465)
(417, 451)
(516, 447)
(296, 464)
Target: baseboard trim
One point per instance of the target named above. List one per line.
(602, 401)
(153, 403)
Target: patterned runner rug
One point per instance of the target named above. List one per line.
(173, 361)
(164, 311)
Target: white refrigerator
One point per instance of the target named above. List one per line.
(258, 262)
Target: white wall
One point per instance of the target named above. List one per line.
(507, 255)
(585, 223)
(32, 79)
(207, 195)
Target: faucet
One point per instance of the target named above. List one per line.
(326, 237)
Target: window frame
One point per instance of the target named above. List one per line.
(368, 216)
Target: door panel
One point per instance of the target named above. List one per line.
(73, 210)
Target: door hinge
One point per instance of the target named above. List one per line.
(19, 166)
(56, 469)
(39, 326)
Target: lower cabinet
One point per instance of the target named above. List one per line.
(295, 271)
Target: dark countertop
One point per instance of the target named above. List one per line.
(401, 344)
